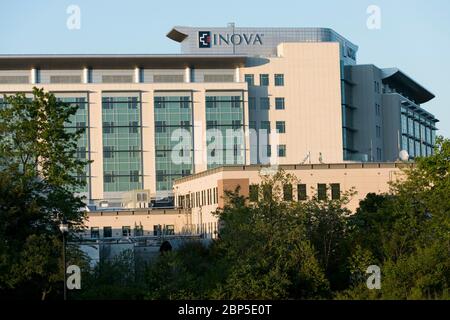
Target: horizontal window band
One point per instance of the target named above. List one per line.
(124, 126)
(119, 151)
(110, 173)
(79, 127)
(120, 103)
(174, 126)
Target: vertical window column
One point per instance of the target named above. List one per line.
(122, 145)
(80, 122)
(173, 111)
(225, 113)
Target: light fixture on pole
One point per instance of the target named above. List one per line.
(64, 228)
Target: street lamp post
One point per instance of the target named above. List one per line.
(64, 228)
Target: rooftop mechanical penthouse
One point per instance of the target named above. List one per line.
(302, 83)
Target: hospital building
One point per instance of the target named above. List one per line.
(333, 123)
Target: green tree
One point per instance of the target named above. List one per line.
(187, 273)
(38, 179)
(326, 226)
(407, 232)
(266, 249)
(113, 279)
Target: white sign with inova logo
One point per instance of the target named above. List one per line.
(206, 39)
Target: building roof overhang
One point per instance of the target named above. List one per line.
(118, 61)
(397, 78)
(176, 35)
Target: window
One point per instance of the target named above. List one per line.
(81, 153)
(267, 192)
(264, 103)
(108, 177)
(378, 131)
(126, 231)
(268, 150)
(160, 126)
(252, 103)
(411, 148)
(281, 127)
(301, 192)
(132, 102)
(253, 192)
(252, 125)
(211, 102)
(377, 87)
(108, 152)
(287, 192)
(160, 174)
(282, 150)
(107, 232)
(422, 133)
(404, 124)
(169, 229)
(95, 233)
(279, 103)
(80, 125)
(211, 124)
(321, 191)
(159, 102)
(335, 191)
(250, 79)
(108, 127)
(185, 102)
(378, 154)
(157, 229)
(236, 124)
(377, 110)
(134, 176)
(417, 129)
(263, 79)
(265, 125)
(410, 127)
(404, 142)
(279, 80)
(107, 104)
(138, 231)
(235, 101)
(418, 149)
(133, 127)
(236, 150)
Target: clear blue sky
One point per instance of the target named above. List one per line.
(414, 34)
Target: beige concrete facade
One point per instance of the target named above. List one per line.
(311, 91)
(363, 178)
(94, 93)
(200, 195)
(177, 221)
(312, 94)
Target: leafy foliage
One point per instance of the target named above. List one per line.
(276, 249)
(37, 184)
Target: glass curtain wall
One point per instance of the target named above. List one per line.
(173, 111)
(225, 114)
(80, 121)
(122, 141)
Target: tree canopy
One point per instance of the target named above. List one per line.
(39, 174)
